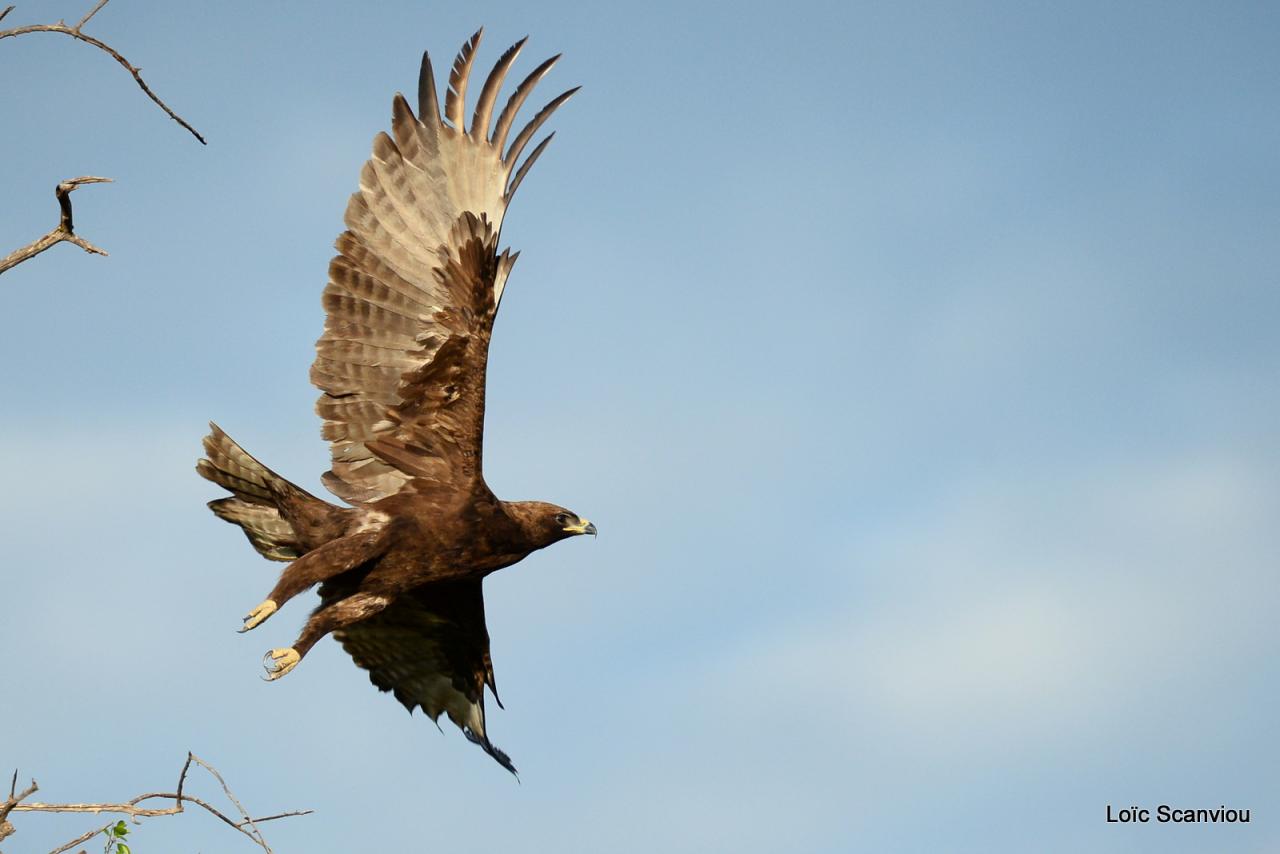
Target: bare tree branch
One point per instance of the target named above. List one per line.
(6, 829)
(132, 809)
(257, 834)
(75, 33)
(64, 232)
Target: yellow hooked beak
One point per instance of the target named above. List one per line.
(583, 527)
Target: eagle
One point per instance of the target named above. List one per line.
(410, 304)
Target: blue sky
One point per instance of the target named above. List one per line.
(917, 362)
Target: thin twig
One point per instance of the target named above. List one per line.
(266, 818)
(82, 838)
(132, 809)
(75, 33)
(91, 13)
(243, 813)
(182, 775)
(65, 230)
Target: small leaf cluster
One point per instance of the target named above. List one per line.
(115, 839)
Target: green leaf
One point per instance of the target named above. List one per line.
(121, 848)
(120, 829)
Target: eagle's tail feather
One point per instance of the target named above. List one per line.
(230, 466)
(256, 490)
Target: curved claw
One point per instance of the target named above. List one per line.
(258, 615)
(278, 662)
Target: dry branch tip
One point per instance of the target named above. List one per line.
(76, 33)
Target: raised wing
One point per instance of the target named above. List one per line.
(413, 291)
(430, 648)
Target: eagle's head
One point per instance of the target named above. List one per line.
(544, 523)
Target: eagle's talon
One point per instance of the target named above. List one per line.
(278, 662)
(258, 615)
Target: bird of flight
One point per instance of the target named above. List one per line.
(410, 305)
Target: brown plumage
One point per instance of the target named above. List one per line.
(411, 299)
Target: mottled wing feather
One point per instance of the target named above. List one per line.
(272, 536)
(430, 649)
(414, 287)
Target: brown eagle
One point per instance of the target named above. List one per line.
(410, 305)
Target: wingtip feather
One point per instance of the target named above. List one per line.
(492, 85)
(536, 122)
(455, 99)
(517, 99)
(428, 101)
(524, 169)
(498, 754)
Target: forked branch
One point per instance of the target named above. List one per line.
(131, 808)
(65, 230)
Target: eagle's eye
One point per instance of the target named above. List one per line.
(562, 519)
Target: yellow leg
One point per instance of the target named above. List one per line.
(278, 662)
(258, 615)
